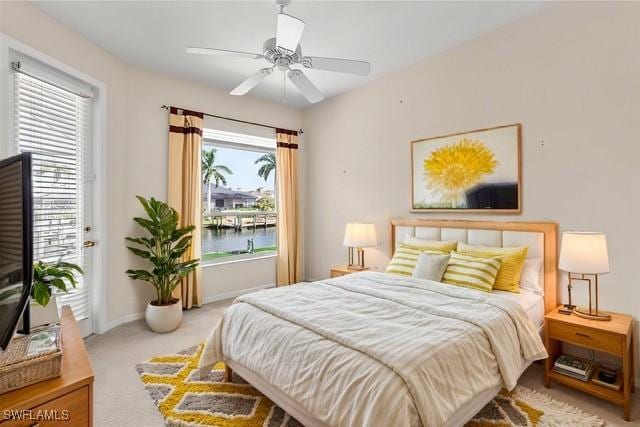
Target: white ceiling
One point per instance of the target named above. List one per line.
(389, 34)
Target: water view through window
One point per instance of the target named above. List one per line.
(238, 206)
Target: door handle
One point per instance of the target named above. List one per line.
(88, 243)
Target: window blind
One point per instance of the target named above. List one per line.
(54, 125)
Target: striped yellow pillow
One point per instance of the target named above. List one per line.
(445, 246)
(405, 259)
(471, 272)
(512, 262)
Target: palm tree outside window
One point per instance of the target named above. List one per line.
(268, 165)
(211, 171)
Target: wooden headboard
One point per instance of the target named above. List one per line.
(541, 237)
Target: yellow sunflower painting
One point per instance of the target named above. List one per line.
(455, 168)
(470, 170)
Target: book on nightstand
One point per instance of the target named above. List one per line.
(574, 367)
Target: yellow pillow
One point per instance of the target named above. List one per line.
(472, 272)
(405, 259)
(508, 278)
(446, 246)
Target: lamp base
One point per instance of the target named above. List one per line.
(357, 267)
(594, 315)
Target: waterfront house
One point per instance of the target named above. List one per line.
(226, 198)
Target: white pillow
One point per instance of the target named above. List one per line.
(531, 274)
(431, 266)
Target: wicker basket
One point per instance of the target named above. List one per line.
(17, 370)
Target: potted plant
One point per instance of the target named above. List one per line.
(47, 276)
(164, 248)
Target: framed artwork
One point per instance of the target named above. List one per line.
(475, 171)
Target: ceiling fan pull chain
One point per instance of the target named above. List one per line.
(284, 88)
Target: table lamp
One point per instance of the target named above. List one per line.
(359, 235)
(584, 254)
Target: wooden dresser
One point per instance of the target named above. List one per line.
(66, 400)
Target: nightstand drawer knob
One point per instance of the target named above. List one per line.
(583, 335)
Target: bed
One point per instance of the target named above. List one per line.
(380, 349)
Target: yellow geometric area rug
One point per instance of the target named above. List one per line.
(187, 401)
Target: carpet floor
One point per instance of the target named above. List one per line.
(120, 398)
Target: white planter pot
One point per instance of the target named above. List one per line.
(163, 318)
(43, 315)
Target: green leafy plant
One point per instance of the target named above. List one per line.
(268, 165)
(265, 203)
(163, 248)
(49, 275)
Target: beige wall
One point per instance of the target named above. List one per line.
(569, 74)
(136, 147)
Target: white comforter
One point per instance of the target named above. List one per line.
(376, 349)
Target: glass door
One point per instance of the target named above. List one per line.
(52, 120)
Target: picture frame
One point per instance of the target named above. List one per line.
(477, 171)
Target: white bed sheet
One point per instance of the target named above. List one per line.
(531, 302)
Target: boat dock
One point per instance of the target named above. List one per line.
(240, 219)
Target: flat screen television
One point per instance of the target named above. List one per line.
(16, 244)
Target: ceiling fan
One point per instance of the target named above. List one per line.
(283, 51)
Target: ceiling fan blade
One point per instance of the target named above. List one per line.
(305, 86)
(288, 32)
(251, 82)
(349, 66)
(222, 52)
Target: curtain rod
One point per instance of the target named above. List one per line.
(300, 131)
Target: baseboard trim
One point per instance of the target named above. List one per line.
(121, 321)
(207, 300)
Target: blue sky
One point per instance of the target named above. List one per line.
(245, 173)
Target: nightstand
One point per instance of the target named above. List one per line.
(343, 270)
(614, 337)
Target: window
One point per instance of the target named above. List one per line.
(238, 206)
(52, 120)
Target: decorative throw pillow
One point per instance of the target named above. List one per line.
(472, 272)
(431, 266)
(446, 246)
(404, 260)
(512, 261)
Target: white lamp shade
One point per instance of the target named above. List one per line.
(359, 235)
(584, 252)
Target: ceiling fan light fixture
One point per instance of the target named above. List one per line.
(283, 52)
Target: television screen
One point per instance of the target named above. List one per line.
(16, 259)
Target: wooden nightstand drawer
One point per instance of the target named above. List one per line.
(343, 270)
(585, 337)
